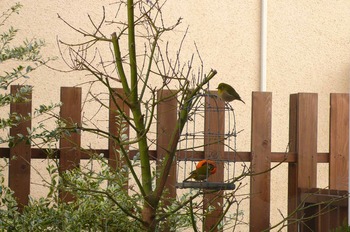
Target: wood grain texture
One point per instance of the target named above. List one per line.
(166, 122)
(307, 140)
(339, 142)
(260, 161)
(302, 174)
(70, 144)
(20, 154)
(307, 149)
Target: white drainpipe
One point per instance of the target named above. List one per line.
(263, 45)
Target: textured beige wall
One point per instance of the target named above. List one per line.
(308, 51)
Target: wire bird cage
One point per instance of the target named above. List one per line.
(210, 135)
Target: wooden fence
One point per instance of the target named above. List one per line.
(323, 213)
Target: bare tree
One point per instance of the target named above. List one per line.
(141, 58)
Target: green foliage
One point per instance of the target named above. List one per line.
(98, 206)
(28, 55)
(343, 228)
(8, 204)
(28, 51)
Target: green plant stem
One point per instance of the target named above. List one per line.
(135, 104)
(132, 52)
(119, 63)
(194, 226)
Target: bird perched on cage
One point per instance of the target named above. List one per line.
(227, 93)
(204, 169)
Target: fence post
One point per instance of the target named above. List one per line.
(260, 161)
(70, 144)
(20, 154)
(117, 107)
(303, 141)
(214, 128)
(166, 122)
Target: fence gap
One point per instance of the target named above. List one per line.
(70, 144)
(214, 129)
(260, 161)
(20, 154)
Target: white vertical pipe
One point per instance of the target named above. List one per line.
(263, 45)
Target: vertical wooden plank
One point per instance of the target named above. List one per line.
(303, 141)
(339, 150)
(260, 161)
(307, 140)
(116, 105)
(214, 126)
(20, 154)
(303, 130)
(339, 142)
(292, 167)
(307, 149)
(166, 122)
(70, 144)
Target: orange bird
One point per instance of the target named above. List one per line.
(204, 169)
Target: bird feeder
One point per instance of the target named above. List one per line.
(208, 144)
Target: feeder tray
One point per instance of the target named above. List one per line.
(206, 185)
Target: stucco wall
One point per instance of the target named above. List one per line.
(308, 50)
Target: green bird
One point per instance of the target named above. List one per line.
(204, 169)
(227, 93)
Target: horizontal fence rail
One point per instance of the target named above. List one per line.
(302, 157)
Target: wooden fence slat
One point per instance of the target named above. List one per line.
(114, 159)
(166, 122)
(307, 140)
(307, 151)
(70, 145)
(303, 140)
(339, 142)
(20, 154)
(339, 155)
(260, 161)
(214, 126)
